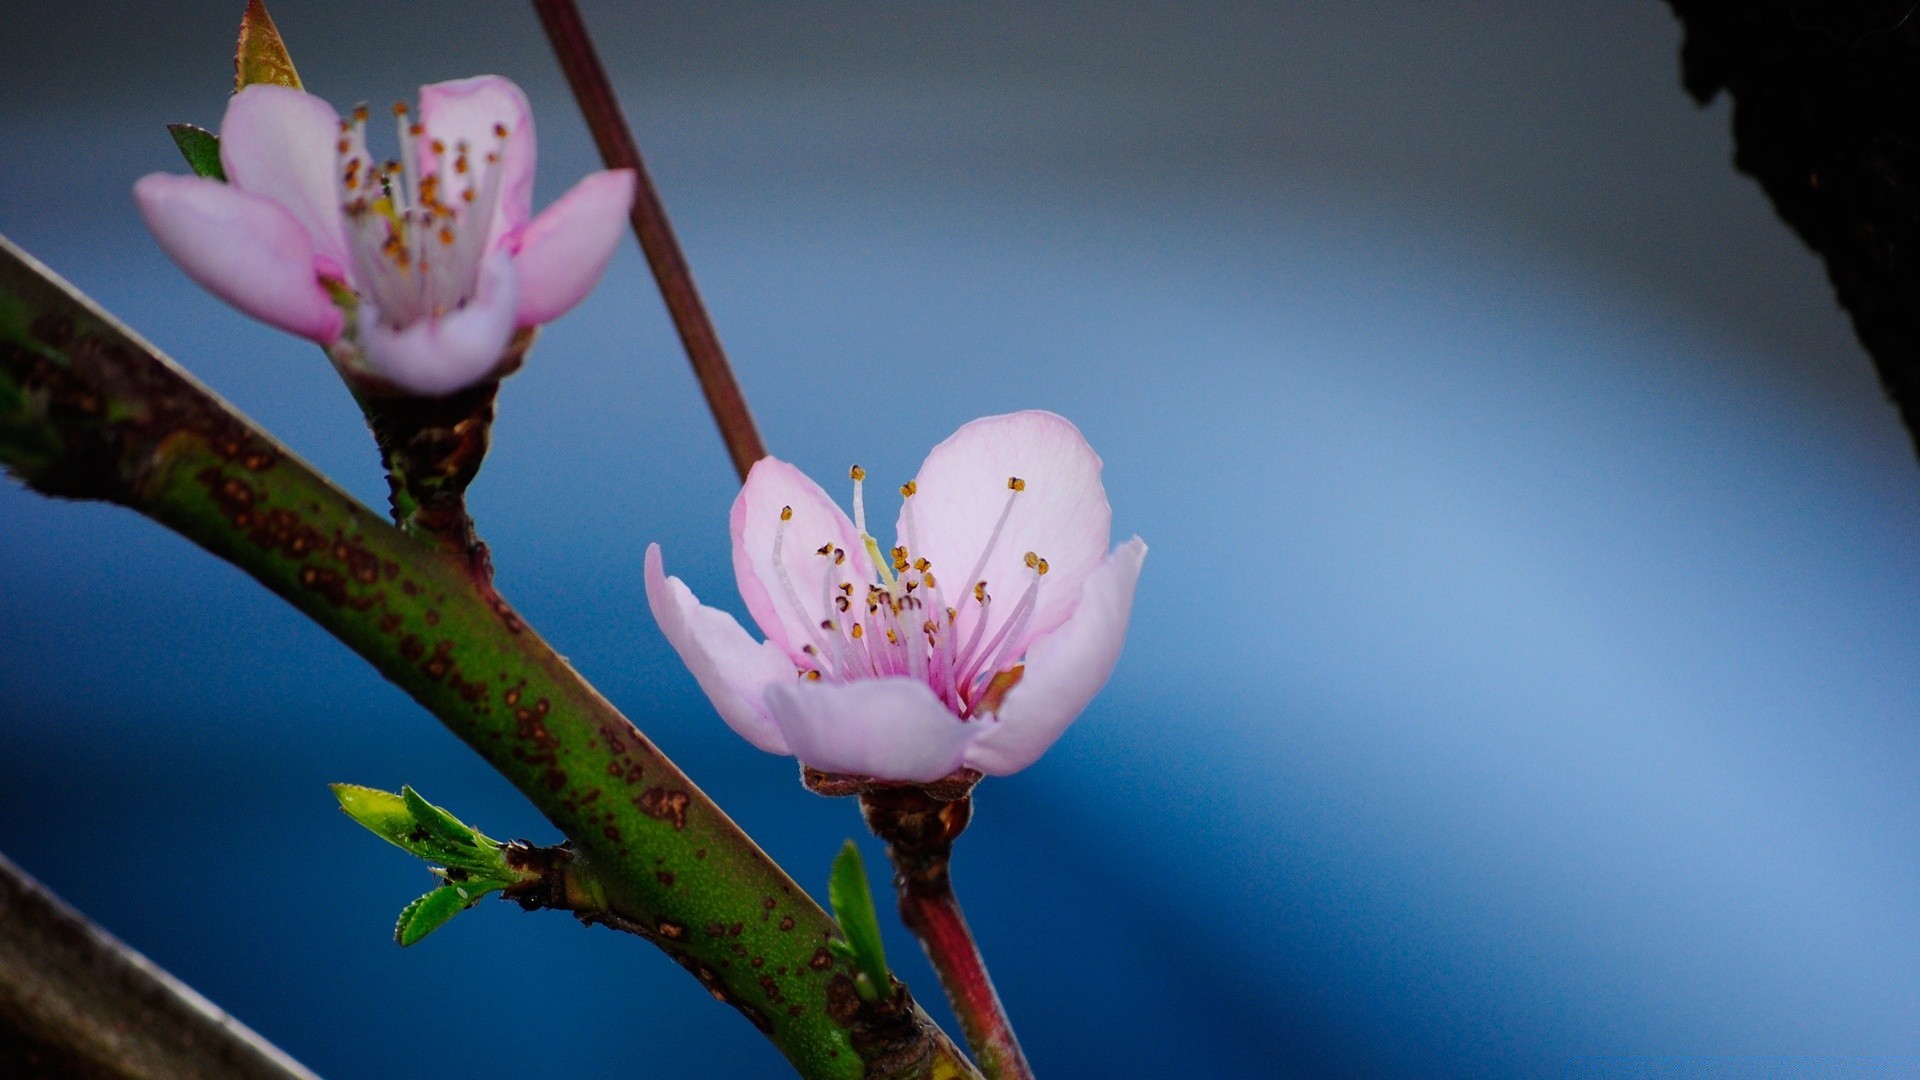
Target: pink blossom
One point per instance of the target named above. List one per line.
(414, 273)
(973, 642)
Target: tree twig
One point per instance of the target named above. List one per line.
(76, 1002)
(89, 411)
(611, 133)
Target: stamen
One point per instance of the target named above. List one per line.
(1008, 634)
(984, 599)
(410, 161)
(817, 649)
(859, 501)
(906, 515)
(832, 628)
(1015, 486)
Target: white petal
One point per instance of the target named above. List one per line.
(435, 357)
(771, 485)
(729, 665)
(1064, 670)
(1062, 515)
(889, 729)
(282, 144)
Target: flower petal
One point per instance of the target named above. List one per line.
(565, 250)
(241, 247)
(435, 357)
(771, 485)
(729, 665)
(1062, 515)
(889, 729)
(281, 143)
(467, 110)
(1064, 670)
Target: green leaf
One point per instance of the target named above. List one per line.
(382, 812)
(852, 901)
(201, 148)
(439, 824)
(420, 828)
(431, 912)
(261, 56)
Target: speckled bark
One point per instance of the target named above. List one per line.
(87, 410)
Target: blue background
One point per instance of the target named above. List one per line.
(1523, 670)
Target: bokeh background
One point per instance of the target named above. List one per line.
(1524, 669)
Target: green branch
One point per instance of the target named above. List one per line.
(89, 411)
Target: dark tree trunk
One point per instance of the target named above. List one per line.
(1826, 115)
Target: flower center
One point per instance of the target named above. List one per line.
(417, 240)
(900, 623)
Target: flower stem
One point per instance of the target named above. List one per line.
(432, 449)
(573, 46)
(919, 831)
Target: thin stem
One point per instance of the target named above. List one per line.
(919, 831)
(75, 1001)
(574, 48)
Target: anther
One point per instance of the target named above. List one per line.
(857, 473)
(786, 513)
(824, 549)
(1014, 483)
(399, 108)
(907, 489)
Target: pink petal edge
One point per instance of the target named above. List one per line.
(733, 669)
(243, 248)
(436, 357)
(889, 729)
(564, 251)
(279, 143)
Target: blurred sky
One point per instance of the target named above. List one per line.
(1523, 671)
